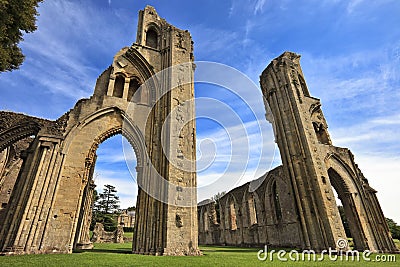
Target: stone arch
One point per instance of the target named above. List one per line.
(344, 181)
(231, 213)
(251, 218)
(18, 132)
(273, 201)
(81, 143)
(251, 208)
(82, 239)
(43, 217)
(145, 73)
(14, 142)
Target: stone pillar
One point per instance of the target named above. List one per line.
(381, 240)
(83, 237)
(168, 225)
(126, 89)
(283, 87)
(111, 85)
(26, 221)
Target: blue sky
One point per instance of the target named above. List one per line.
(350, 56)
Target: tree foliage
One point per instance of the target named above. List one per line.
(105, 208)
(133, 208)
(108, 201)
(16, 17)
(394, 228)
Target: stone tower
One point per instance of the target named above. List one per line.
(147, 96)
(314, 166)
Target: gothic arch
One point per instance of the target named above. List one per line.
(81, 143)
(146, 73)
(251, 207)
(345, 183)
(273, 207)
(348, 179)
(132, 134)
(231, 213)
(18, 132)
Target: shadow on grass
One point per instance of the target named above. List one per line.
(227, 249)
(97, 250)
(206, 250)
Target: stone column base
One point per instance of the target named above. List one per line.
(84, 246)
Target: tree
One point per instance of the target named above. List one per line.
(16, 17)
(106, 207)
(133, 208)
(108, 200)
(394, 228)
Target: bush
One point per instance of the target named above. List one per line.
(129, 229)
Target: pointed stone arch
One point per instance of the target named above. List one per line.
(366, 226)
(145, 72)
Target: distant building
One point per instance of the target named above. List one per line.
(127, 218)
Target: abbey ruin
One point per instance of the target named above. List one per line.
(46, 167)
(294, 205)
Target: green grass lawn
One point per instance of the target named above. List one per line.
(119, 255)
(128, 234)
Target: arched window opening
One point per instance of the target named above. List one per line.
(152, 38)
(119, 86)
(252, 210)
(133, 94)
(277, 204)
(232, 216)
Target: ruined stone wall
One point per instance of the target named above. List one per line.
(101, 236)
(265, 216)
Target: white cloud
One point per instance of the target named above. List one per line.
(259, 6)
(353, 4)
(59, 51)
(124, 183)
